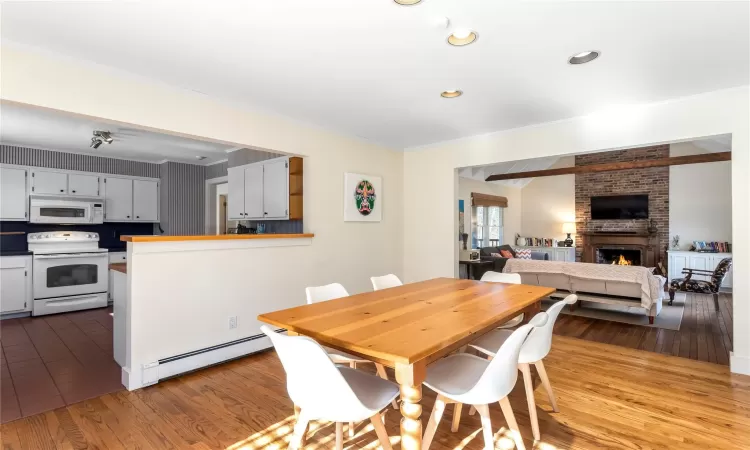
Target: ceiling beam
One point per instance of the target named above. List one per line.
(609, 167)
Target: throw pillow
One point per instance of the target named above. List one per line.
(506, 254)
(523, 254)
(496, 255)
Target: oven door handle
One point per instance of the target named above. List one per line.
(86, 255)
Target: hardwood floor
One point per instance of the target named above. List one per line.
(704, 335)
(609, 397)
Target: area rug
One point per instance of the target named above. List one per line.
(670, 317)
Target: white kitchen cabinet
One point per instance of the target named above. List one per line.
(145, 200)
(276, 189)
(83, 185)
(236, 193)
(13, 199)
(118, 199)
(254, 191)
(15, 284)
(114, 257)
(679, 260)
(49, 183)
(260, 191)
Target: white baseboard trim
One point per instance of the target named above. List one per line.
(142, 375)
(739, 364)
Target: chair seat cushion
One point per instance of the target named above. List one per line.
(700, 286)
(374, 392)
(456, 374)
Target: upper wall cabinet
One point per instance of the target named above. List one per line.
(266, 190)
(49, 183)
(45, 182)
(146, 200)
(13, 199)
(83, 185)
(129, 200)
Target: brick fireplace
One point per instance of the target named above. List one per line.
(625, 234)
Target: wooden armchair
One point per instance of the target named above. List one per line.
(688, 284)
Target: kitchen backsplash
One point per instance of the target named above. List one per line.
(276, 226)
(109, 232)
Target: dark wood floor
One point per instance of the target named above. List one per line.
(705, 334)
(609, 397)
(50, 361)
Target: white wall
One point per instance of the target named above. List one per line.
(700, 199)
(511, 214)
(683, 119)
(345, 252)
(548, 202)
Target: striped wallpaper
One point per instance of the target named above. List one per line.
(182, 198)
(23, 156)
(217, 170)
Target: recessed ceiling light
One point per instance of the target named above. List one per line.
(462, 37)
(583, 57)
(407, 2)
(451, 94)
(200, 158)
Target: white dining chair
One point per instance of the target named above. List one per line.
(510, 278)
(533, 351)
(468, 379)
(324, 391)
(385, 282)
(330, 292)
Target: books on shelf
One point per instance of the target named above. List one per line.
(536, 242)
(715, 247)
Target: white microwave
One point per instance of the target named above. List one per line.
(61, 210)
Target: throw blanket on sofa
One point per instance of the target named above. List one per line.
(651, 284)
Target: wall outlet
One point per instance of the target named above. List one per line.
(233, 322)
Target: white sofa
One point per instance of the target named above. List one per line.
(609, 292)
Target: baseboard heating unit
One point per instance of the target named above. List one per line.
(199, 359)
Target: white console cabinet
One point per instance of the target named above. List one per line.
(679, 260)
(567, 254)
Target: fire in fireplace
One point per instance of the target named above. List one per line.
(618, 256)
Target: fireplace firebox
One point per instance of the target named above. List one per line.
(618, 256)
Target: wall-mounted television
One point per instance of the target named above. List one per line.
(619, 207)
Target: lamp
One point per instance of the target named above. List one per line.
(568, 228)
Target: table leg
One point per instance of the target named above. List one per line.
(410, 378)
(531, 311)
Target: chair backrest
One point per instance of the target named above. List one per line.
(720, 272)
(539, 342)
(497, 277)
(500, 375)
(312, 380)
(322, 293)
(385, 282)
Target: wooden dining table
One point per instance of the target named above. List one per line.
(410, 326)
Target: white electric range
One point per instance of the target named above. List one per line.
(70, 271)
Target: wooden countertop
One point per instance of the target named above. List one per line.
(119, 267)
(220, 237)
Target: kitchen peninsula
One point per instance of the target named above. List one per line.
(192, 301)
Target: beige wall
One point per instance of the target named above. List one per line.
(710, 114)
(700, 199)
(548, 202)
(345, 252)
(511, 214)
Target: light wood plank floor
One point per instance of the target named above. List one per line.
(609, 397)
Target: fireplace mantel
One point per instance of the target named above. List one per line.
(647, 243)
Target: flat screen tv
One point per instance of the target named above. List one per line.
(619, 207)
